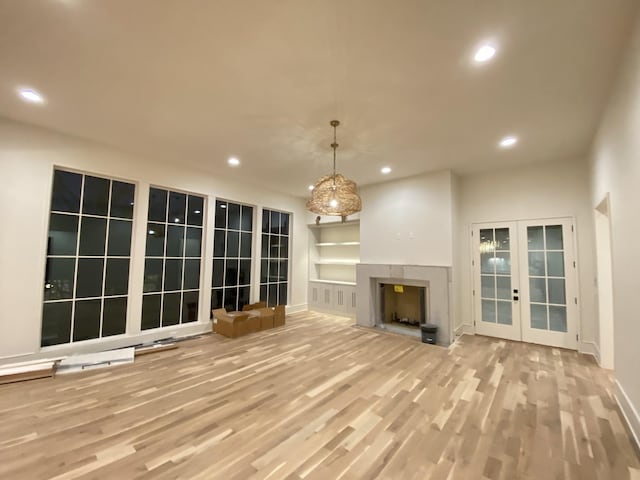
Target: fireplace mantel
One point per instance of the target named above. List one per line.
(438, 279)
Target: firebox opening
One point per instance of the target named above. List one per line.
(403, 305)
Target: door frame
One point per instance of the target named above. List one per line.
(571, 338)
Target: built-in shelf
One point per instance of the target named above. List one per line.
(336, 262)
(337, 244)
(333, 282)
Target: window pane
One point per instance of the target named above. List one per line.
(264, 270)
(231, 274)
(535, 238)
(90, 271)
(218, 272)
(557, 318)
(503, 263)
(273, 295)
(263, 293)
(119, 238)
(504, 313)
(554, 237)
(231, 299)
(93, 232)
(86, 321)
(177, 207)
(233, 244)
(487, 263)
(63, 234)
(283, 270)
(114, 320)
(192, 274)
(536, 264)
(556, 291)
(487, 284)
(216, 298)
(219, 240)
(171, 309)
(537, 290)
(284, 224)
(247, 219)
(175, 241)
(59, 278)
(555, 264)
(150, 311)
(221, 214)
(539, 316)
(233, 218)
(193, 246)
(190, 307)
(173, 274)
(275, 222)
(65, 196)
(244, 277)
(157, 205)
(122, 195)
(155, 240)
(274, 246)
(266, 222)
(243, 297)
(284, 247)
(245, 245)
(502, 239)
(487, 244)
(117, 280)
(282, 294)
(196, 207)
(265, 246)
(273, 270)
(152, 275)
(489, 311)
(96, 197)
(56, 323)
(503, 288)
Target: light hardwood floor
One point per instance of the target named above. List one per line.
(322, 399)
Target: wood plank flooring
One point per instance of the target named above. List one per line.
(322, 399)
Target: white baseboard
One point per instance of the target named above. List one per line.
(628, 411)
(464, 329)
(590, 348)
(301, 307)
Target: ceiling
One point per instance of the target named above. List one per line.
(196, 81)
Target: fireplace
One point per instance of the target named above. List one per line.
(402, 306)
(425, 298)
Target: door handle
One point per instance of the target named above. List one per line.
(515, 298)
(515, 291)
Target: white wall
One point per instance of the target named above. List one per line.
(615, 160)
(27, 158)
(558, 189)
(408, 221)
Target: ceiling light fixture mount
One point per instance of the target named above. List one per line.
(334, 195)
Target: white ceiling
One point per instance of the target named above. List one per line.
(196, 81)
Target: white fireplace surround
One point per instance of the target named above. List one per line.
(437, 280)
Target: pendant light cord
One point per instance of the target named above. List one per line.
(334, 145)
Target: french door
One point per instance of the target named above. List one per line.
(524, 281)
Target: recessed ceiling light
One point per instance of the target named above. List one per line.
(484, 53)
(508, 142)
(233, 161)
(30, 95)
(385, 170)
(310, 187)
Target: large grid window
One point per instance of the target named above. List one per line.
(232, 240)
(88, 257)
(172, 259)
(274, 264)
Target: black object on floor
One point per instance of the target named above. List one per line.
(429, 333)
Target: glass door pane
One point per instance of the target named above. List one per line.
(495, 276)
(547, 282)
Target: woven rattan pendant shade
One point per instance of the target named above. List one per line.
(334, 195)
